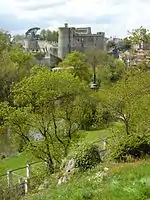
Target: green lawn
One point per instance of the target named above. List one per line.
(100, 134)
(13, 163)
(93, 135)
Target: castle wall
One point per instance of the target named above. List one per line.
(71, 39)
(63, 41)
(88, 41)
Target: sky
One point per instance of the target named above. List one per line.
(114, 17)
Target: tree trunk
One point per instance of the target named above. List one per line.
(50, 166)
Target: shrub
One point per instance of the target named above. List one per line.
(86, 155)
(121, 146)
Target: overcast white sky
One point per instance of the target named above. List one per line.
(115, 17)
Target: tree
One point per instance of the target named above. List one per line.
(126, 44)
(127, 102)
(110, 44)
(51, 104)
(18, 37)
(78, 61)
(124, 97)
(14, 64)
(110, 70)
(48, 35)
(139, 36)
(4, 41)
(23, 60)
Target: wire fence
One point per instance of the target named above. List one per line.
(15, 184)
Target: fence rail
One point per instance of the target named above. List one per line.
(10, 188)
(24, 183)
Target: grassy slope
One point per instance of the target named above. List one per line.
(95, 134)
(21, 160)
(13, 163)
(122, 182)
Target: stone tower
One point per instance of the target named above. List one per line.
(80, 39)
(64, 41)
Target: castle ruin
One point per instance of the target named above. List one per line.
(69, 39)
(80, 39)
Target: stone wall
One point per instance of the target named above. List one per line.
(80, 39)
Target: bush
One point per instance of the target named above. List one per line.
(86, 155)
(122, 146)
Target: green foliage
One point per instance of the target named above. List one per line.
(121, 146)
(49, 35)
(126, 44)
(92, 112)
(120, 182)
(14, 65)
(14, 162)
(143, 66)
(86, 155)
(77, 60)
(139, 35)
(108, 69)
(111, 72)
(4, 41)
(51, 104)
(128, 102)
(21, 58)
(110, 44)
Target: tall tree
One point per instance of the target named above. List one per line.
(108, 69)
(51, 104)
(49, 35)
(124, 100)
(14, 64)
(139, 36)
(78, 61)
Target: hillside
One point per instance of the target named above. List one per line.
(106, 182)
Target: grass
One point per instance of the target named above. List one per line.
(103, 133)
(22, 159)
(13, 162)
(19, 161)
(93, 135)
(121, 182)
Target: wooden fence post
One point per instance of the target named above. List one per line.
(27, 180)
(9, 178)
(104, 143)
(26, 185)
(28, 171)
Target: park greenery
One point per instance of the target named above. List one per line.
(45, 34)
(55, 116)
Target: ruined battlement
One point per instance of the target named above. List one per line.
(70, 39)
(80, 39)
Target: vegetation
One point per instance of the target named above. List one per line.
(48, 35)
(55, 117)
(106, 181)
(137, 36)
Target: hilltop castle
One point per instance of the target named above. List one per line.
(80, 39)
(69, 39)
